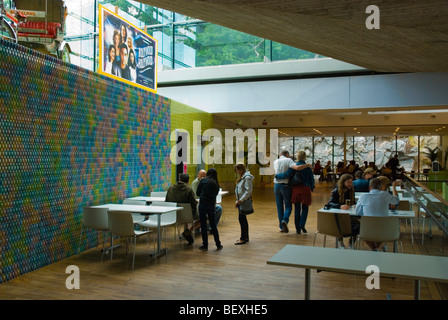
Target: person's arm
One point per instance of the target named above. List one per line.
(359, 205)
(192, 200)
(395, 200)
(247, 190)
(284, 175)
(300, 166)
(198, 190)
(334, 200)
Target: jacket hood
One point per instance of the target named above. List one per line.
(247, 175)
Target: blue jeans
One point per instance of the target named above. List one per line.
(283, 200)
(300, 215)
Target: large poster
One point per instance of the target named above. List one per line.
(126, 53)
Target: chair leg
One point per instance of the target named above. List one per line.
(133, 256)
(111, 246)
(314, 242)
(104, 246)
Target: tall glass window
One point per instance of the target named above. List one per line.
(184, 42)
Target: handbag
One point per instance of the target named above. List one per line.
(246, 207)
(295, 178)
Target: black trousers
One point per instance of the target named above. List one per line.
(207, 210)
(242, 218)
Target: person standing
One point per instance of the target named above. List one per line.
(301, 194)
(243, 192)
(194, 185)
(207, 191)
(282, 190)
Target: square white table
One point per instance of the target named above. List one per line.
(400, 265)
(146, 211)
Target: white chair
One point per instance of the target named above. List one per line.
(380, 229)
(158, 194)
(136, 217)
(184, 216)
(97, 219)
(122, 224)
(166, 219)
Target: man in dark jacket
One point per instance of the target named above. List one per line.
(182, 193)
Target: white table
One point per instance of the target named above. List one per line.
(144, 210)
(148, 199)
(392, 213)
(400, 265)
(401, 214)
(162, 199)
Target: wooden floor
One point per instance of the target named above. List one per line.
(236, 272)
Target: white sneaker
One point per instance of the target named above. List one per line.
(341, 244)
(384, 248)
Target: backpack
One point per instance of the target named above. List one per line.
(295, 178)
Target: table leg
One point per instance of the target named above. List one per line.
(416, 289)
(159, 251)
(307, 284)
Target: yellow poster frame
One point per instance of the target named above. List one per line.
(101, 53)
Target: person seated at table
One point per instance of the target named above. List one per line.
(385, 187)
(351, 167)
(373, 166)
(340, 168)
(182, 193)
(376, 204)
(361, 184)
(342, 197)
(194, 186)
(317, 168)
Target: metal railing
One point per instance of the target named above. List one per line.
(432, 208)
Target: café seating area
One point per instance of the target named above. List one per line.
(236, 272)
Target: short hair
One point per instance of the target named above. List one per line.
(359, 174)
(284, 152)
(184, 177)
(123, 46)
(375, 183)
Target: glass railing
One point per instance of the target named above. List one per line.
(431, 215)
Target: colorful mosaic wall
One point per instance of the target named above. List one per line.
(69, 138)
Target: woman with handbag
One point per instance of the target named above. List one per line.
(243, 192)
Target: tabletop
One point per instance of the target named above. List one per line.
(392, 213)
(139, 209)
(423, 267)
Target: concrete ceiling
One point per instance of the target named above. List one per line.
(412, 35)
(356, 122)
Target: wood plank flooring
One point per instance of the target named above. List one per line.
(236, 272)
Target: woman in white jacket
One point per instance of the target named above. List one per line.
(243, 192)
